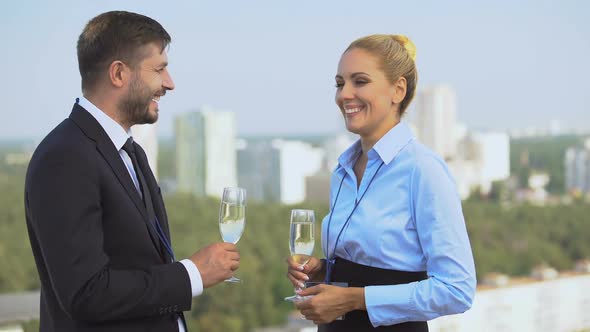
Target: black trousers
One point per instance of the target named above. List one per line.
(357, 275)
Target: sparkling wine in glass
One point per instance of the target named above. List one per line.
(301, 239)
(232, 216)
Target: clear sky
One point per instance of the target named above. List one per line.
(513, 64)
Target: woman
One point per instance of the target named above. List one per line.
(395, 231)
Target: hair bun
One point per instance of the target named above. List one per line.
(407, 44)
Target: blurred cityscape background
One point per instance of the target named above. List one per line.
(501, 97)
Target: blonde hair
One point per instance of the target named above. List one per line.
(397, 55)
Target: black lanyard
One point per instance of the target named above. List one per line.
(330, 261)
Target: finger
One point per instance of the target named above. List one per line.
(293, 271)
(311, 290)
(295, 281)
(299, 275)
(306, 313)
(312, 265)
(305, 269)
(233, 256)
(228, 246)
(234, 265)
(295, 266)
(311, 315)
(304, 306)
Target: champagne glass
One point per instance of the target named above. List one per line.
(232, 216)
(301, 240)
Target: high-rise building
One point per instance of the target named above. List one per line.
(577, 170)
(435, 119)
(493, 156)
(147, 136)
(481, 159)
(258, 170)
(205, 152)
(276, 171)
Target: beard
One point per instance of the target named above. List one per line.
(135, 106)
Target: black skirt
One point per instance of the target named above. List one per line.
(357, 275)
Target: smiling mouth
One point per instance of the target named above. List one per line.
(157, 96)
(352, 110)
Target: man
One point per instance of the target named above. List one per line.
(95, 215)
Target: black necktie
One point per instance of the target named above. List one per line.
(147, 198)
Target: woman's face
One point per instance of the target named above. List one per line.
(367, 100)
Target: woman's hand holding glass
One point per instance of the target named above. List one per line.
(298, 274)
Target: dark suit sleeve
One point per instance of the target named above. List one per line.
(63, 204)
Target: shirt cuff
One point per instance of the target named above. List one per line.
(390, 304)
(194, 276)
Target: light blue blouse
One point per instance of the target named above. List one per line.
(410, 219)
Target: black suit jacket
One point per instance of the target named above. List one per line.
(100, 261)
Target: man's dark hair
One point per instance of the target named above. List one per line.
(116, 35)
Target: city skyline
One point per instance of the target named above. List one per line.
(513, 66)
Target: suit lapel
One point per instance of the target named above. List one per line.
(105, 146)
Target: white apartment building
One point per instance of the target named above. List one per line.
(577, 169)
(146, 135)
(435, 119)
(206, 152)
(481, 159)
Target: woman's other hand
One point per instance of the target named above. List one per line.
(298, 274)
(330, 302)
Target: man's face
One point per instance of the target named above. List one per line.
(150, 81)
